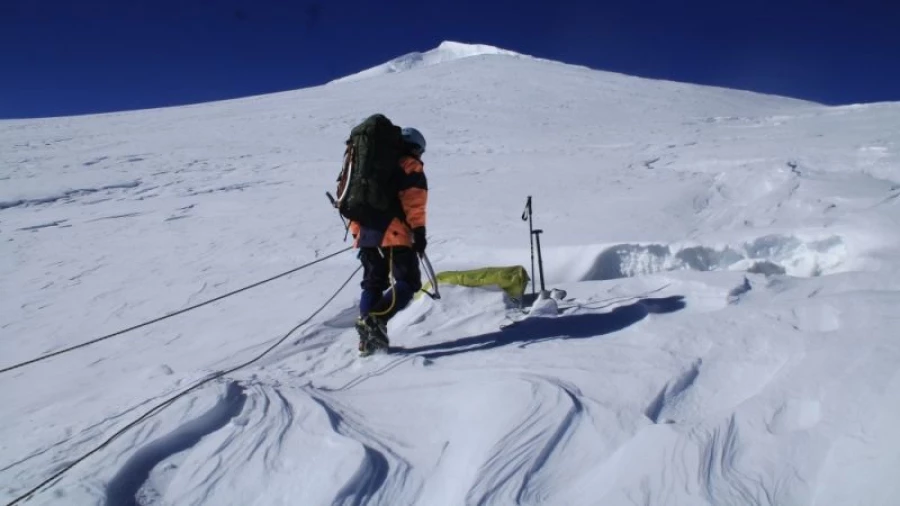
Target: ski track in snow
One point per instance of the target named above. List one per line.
(727, 337)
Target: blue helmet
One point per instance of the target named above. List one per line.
(413, 136)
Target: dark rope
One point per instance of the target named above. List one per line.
(168, 402)
(170, 315)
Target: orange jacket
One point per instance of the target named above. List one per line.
(413, 195)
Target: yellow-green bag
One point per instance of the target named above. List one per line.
(513, 279)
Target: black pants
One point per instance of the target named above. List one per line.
(378, 264)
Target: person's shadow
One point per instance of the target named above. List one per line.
(532, 330)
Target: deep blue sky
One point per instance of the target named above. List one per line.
(72, 57)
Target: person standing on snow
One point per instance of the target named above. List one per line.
(390, 246)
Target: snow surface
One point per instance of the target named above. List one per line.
(728, 334)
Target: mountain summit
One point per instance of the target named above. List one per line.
(445, 52)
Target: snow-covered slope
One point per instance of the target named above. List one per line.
(728, 336)
(447, 51)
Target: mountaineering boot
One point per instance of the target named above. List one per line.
(363, 332)
(377, 338)
(372, 335)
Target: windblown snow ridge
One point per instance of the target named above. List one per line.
(771, 254)
(671, 392)
(65, 195)
(124, 487)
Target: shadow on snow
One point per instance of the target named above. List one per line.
(538, 329)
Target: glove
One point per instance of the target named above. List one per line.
(419, 241)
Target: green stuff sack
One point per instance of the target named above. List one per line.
(513, 279)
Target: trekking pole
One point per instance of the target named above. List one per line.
(537, 238)
(526, 215)
(429, 271)
(334, 204)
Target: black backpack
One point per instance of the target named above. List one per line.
(367, 185)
